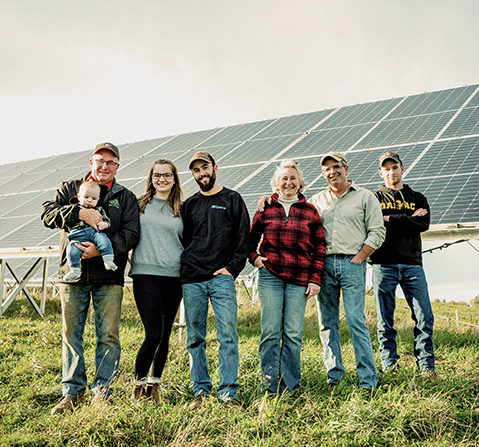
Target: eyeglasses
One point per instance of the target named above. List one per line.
(167, 176)
(101, 162)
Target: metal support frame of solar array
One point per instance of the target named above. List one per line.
(436, 135)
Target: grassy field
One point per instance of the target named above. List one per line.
(404, 410)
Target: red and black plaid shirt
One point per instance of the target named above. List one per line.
(294, 245)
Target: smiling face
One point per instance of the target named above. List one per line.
(104, 165)
(392, 173)
(163, 180)
(204, 174)
(288, 182)
(335, 173)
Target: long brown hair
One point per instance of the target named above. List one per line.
(174, 197)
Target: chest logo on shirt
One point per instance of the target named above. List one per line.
(114, 203)
(218, 207)
(398, 205)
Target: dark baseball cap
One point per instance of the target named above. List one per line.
(389, 156)
(203, 156)
(109, 147)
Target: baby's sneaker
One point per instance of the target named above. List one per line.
(110, 265)
(73, 274)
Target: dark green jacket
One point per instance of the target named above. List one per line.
(121, 206)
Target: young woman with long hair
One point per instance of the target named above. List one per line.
(155, 269)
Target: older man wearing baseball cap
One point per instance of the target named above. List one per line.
(104, 288)
(353, 225)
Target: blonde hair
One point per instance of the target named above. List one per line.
(90, 184)
(285, 164)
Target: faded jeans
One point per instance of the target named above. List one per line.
(340, 274)
(222, 293)
(283, 306)
(411, 278)
(86, 233)
(106, 300)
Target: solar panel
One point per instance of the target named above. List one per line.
(436, 135)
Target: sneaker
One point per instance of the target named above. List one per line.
(73, 274)
(138, 393)
(234, 404)
(110, 265)
(430, 374)
(67, 403)
(198, 401)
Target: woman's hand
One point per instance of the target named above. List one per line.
(312, 290)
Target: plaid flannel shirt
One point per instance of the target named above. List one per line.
(294, 245)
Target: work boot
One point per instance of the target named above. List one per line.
(138, 393)
(198, 401)
(152, 392)
(430, 374)
(67, 404)
(234, 404)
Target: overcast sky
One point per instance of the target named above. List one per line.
(76, 73)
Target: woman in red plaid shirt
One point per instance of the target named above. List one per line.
(290, 263)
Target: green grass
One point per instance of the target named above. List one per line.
(405, 409)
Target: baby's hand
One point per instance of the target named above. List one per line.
(102, 225)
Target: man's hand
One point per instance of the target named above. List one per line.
(312, 290)
(261, 203)
(363, 254)
(420, 212)
(89, 250)
(90, 217)
(259, 261)
(102, 225)
(222, 271)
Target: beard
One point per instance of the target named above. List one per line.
(208, 186)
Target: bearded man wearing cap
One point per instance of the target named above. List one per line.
(103, 287)
(353, 227)
(399, 262)
(216, 242)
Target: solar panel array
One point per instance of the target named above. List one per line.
(436, 134)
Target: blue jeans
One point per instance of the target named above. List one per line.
(86, 234)
(106, 301)
(222, 293)
(283, 306)
(340, 274)
(413, 283)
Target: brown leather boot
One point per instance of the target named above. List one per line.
(152, 392)
(138, 393)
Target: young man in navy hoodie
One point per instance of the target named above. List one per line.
(399, 262)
